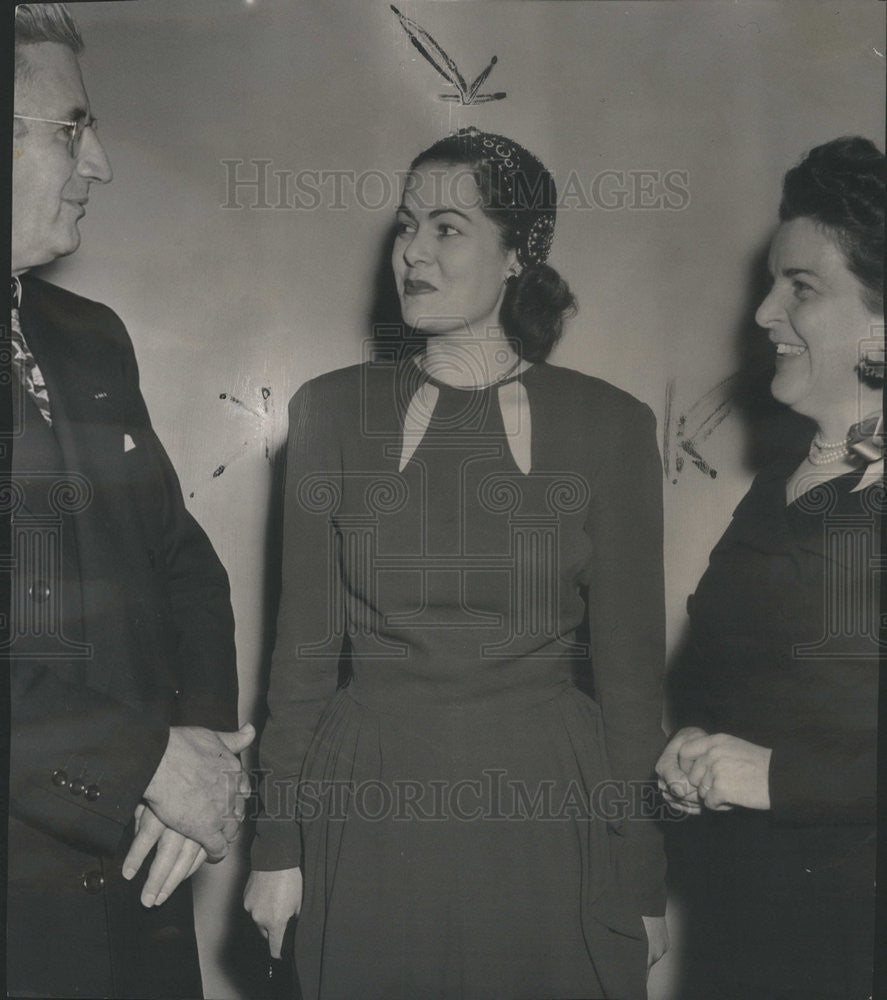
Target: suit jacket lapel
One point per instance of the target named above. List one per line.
(35, 448)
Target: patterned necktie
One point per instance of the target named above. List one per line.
(23, 361)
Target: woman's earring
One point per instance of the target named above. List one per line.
(870, 368)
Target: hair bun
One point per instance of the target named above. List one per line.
(533, 311)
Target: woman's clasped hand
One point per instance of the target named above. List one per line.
(716, 771)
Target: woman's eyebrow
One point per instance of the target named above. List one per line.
(448, 211)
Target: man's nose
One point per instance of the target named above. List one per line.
(92, 160)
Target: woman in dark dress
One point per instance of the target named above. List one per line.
(467, 819)
(780, 685)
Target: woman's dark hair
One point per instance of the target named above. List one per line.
(519, 195)
(841, 186)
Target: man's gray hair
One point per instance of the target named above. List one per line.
(43, 22)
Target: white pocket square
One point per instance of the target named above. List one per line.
(128, 443)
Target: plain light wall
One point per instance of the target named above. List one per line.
(223, 300)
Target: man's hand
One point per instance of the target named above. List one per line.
(728, 771)
(200, 787)
(271, 898)
(674, 782)
(177, 858)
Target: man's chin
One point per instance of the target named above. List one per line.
(64, 249)
(27, 261)
(68, 247)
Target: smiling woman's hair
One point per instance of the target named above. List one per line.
(519, 195)
(841, 186)
(42, 22)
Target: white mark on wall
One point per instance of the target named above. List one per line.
(261, 413)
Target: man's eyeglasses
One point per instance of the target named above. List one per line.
(75, 129)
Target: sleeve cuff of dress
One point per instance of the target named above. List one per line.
(277, 845)
(621, 911)
(637, 886)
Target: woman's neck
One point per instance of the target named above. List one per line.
(463, 360)
(834, 424)
(827, 459)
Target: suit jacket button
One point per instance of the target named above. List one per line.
(92, 792)
(93, 882)
(76, 787)
(39, 591)
(59, 778)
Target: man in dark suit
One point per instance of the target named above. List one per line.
(121, 637)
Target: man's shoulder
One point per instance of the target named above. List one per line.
(58, 305)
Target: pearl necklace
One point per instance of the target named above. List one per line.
(825, 452)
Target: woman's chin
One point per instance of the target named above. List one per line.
(789, 387)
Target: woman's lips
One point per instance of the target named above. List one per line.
(789, 350)
(413, 287)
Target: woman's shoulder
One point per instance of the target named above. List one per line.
(337, 379)
(335, 388)
(857, 494)
(588, 395)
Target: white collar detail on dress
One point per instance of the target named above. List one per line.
(417, 419)
(514, 406)
(871, 475)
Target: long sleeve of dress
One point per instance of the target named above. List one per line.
(627, 627)
(304, 668)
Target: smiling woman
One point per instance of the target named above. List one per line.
(817, 317)
(780, 680)
(826, 308)
(476, 525)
